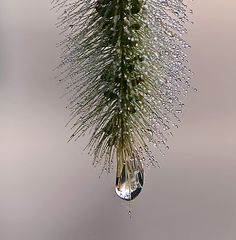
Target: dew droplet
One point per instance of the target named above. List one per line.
(129, 179)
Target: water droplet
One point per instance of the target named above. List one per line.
(129, 179)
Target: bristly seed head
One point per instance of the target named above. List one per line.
(125, 69)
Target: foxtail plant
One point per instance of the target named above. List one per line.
(124, 66)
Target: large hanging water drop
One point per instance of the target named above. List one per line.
(129, 180)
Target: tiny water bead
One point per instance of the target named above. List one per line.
(129, 180)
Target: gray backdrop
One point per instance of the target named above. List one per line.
(48, 188)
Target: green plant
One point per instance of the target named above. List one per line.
(124, 66)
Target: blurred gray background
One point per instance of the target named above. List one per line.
(48, 188)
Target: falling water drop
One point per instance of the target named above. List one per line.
(129, 179)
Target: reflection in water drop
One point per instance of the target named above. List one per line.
(129, 180)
